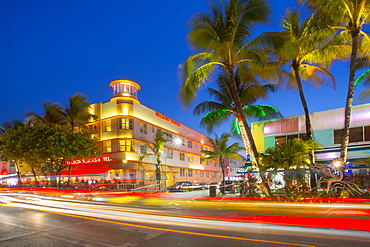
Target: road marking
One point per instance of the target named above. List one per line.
(177, 231)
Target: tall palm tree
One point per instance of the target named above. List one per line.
(222, 150)
(223, 107)
(305, 49)
(348, 16)
(53, 115)
(222, 37)
(76, 112)
(156, 149)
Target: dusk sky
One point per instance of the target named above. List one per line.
(51, 49)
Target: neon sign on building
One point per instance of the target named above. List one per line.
(161, 116)
(89, 161)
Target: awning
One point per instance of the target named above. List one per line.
(171, 169)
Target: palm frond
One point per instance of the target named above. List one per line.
(195, 80)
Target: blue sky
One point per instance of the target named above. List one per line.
(52, 49)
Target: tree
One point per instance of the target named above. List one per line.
(222, 37)
(349, 16)
(308, 50)
(47, 148)
(222, 150)
(52, 116)
(156, 149)
(223, 107)
(76, 112)
(5, 131)
(288, 156)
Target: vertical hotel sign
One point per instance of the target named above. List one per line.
(165, 118)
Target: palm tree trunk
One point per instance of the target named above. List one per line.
(244, 137)
(303, 101)
(349, 101)
(239, 108)
(223, 176)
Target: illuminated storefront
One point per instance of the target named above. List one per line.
(327, 129)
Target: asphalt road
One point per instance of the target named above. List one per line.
(34, 221)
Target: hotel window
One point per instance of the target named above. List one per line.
(190, 158)
(125, 124)
(355, 135)
(182, 172)
(143, 128)
(182, 156)
(107, 147)
(190, 144)
(190, 173)
(201, 160)
(169, 137)
(107, 125)
(207, 174)
(367, 133)
(93, 129)
(169, 153)
(215, 174)
(201, 174)
(142, 148)
(280, 140)
(125, 145)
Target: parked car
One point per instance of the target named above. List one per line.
(205, 185)
(181, 186)
(230, 186)
(197, 186)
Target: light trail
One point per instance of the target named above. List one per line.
(115, 214)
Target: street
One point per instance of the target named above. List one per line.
(29, 220)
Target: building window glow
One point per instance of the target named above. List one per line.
(125, 145)
(107, 125)
(125, 123)
(190, 158)
(107, 147)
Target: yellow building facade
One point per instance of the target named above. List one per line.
(125, 128)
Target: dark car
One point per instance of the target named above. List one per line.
(181, 186)
(230, 186)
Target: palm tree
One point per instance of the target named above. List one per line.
(53, 115)
(76, 112)
(305, 48)
(349, 16)
(222, 150)
(156, 149)
(222, 36)
(223, 107)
